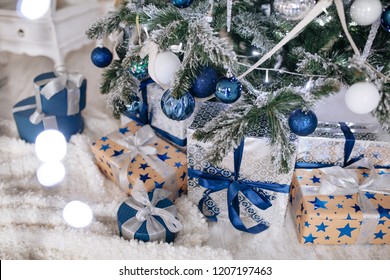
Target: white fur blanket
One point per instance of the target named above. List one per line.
(32, 227)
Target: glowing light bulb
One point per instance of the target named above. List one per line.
(51, 173)
(77, 214)
(33, 9)
(50, 145)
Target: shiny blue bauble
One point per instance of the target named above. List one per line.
(302, 123)
(228, 90)
(385, 19)
(182, 3)
(177, 109)
(205, 83)
(134, 106)
(101, 57)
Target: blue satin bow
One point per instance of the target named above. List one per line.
(251, 190)
(145, 118)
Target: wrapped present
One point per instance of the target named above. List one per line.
(151, 113)
(343, 143)
(246, 188)
(30, 123)
(60, 94)
(336, 205)
(148, 216)
(133, 154)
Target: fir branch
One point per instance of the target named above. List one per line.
(382, 112)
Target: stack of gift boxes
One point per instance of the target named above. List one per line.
(57, 103)
(246, 188)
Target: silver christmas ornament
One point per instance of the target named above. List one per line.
(293, 10)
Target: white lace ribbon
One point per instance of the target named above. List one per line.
(139, 144)
(146, 211)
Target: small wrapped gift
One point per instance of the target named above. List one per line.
(134, 154)
(343, 143)
(151, 113)
(60, 94)
(148, 216)
(336, 205)
(246, 188)
(30, 123)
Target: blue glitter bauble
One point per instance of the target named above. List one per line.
(177, 109)
(101, 57)
(228, 90)
(302, 123)
(139, 68)
(133, 107)
(385, 19)
(182, 3)
(205, 83)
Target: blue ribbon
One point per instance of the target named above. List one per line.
(251, 190)
(144, 117)
(348, 147)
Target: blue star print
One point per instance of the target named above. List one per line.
(315, 180)
(318, 203)
(178, 164)
(381, 223)
(117, 153)
(365, 174)
(331, 197)
(158, 186)
(104, 139)
(310, 238)
(123, 130)
(143, 166)
(321, 227)
(166, 147)
(379, 234)
(182, 177)
(356, 207)
(105, 147)
(307, 224)
(144, 177)
(340, 206)
(347, 230)
(130, 173)
(370, 195)
(327, 237)
(383, 212)
(163, 157)
(349, 217)
(348, 196)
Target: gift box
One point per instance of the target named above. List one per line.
(148, 217)
(62, 94)
(133, 154)
(151, 113)
(30, 122)
(245, 188)
(342, 206)
(343, 143)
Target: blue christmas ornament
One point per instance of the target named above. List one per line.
(302, 123)
(385, 19)
(177, 109)
(205, 83)
(182, 3)
(101, 57)
(228, 90)
(133, 107)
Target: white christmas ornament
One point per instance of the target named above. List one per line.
(366, 12)
(165, 67)
(362, 98)
(50, 145)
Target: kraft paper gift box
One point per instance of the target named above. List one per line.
(151, 113)
(338, 143)
(148, 217)
(61, 94)
(254, 199)
(133, 154)
(358, 213)
(30, 122)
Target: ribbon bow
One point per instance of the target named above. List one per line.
(147, 211)
(139, 144)
(249, 189)
(345, 181)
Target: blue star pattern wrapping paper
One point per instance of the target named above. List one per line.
(339, 219)
(256, 173)
(61, 94)
(133, 154)
(328, 143)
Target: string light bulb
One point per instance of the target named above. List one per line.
(50, 146)
(33, 9)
